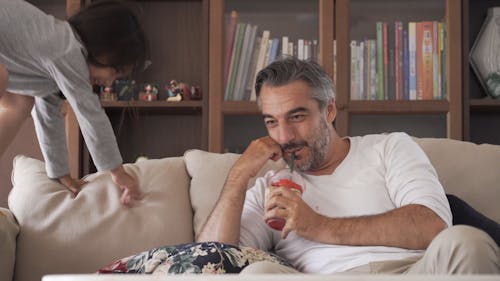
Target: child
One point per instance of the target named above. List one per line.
(41, 55)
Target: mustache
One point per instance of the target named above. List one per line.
(293, 146)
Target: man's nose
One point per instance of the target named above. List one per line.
(286, 133)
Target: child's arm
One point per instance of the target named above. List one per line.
(74, 185)
(128, 185)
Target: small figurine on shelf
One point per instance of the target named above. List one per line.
(174, 91)
(149, 92)
(196, 93)
(107, 94)
(125, 89)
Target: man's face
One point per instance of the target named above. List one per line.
(293, 120)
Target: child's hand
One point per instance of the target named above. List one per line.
(128, 185)
(73, 185)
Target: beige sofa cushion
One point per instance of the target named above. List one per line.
(8, 233)
(208, 173)
(61, 234)
(469, 171)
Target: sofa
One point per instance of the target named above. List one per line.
(47, 231)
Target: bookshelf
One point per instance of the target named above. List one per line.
(356, 20)
(481, 117)
(296, 19)
(344, 21)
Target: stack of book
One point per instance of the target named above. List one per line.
(407, 61)
(249, 50)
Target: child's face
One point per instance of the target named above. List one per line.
(102, 75)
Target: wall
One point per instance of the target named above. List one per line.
(25, 143)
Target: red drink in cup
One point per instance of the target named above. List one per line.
(287, 179)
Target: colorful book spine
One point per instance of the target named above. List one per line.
(373, 70)
(391, 71)
(412, 49)
(354, 54)
(400, 63)
(367, 73)
(232, 65)
(427, 65)
(443, 63)
(380, 60)
(406, 64)
(435, 61)
(260, 60)
(229, 43)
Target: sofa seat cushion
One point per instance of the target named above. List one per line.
(8, 233)
(205, 257)
(208, 172)
(60, 233)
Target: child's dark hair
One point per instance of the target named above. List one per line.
(112, 35)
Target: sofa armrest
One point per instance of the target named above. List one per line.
(8, 233)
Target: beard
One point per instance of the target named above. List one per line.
(318, 148)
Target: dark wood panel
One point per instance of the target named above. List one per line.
(175, 32)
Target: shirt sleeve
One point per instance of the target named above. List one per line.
(254, 232)
(50, 130)
(411, 178)
(70, 71)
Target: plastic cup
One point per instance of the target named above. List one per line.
(288, 179)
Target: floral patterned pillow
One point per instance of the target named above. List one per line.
(206, 257)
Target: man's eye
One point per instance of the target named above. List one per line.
(270, 122)
(297, 117)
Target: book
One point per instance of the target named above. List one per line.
(412, 50)
(260, 60)
(400, 61)
(228, 93)
(380, 61)
(373, 70)
(391, 71)
(244, 56)
(284, 46)
(406, 64)
(354, 55)
(234, 72)
(427, 64)
(229, 43)
(251, 69)
(273, 54)
(435, 61)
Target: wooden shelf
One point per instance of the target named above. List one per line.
(486, 104)
(152, 104)
(396, 107)
(240, 108)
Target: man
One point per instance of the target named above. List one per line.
(372, 204)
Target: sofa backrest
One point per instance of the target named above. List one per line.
(62, 234)
(467, 170)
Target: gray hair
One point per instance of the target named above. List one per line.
(290, 69)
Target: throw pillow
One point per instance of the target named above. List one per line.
(208, 173)
(205, 257)
(60, 233)
(463, 213)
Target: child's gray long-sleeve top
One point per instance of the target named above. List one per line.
(43, 55)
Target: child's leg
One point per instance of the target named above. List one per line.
(14, 109)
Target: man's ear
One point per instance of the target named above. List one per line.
(331, 111)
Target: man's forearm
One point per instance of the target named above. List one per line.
(223, 224)
(410, 227)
